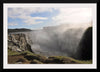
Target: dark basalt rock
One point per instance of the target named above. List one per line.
(85, 46)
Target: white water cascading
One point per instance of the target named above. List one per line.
(56, 40)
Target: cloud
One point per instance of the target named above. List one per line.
(12, 24)
(41, 18)
(73, 15)
(32, 21)
(25, 14)
(17, 12)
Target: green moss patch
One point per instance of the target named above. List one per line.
(29, 57)
(65, 60)
(35, 62)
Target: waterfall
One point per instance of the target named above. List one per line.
(55, 40)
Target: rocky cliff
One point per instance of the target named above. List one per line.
(18, 42)
(54, 41)
(84, 51)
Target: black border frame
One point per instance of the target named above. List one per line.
(38, 1)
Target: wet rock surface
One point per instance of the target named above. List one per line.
(84, 51)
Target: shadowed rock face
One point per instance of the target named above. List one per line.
(85, 46)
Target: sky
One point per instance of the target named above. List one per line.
(39, 17)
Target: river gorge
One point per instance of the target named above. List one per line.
(58, 40)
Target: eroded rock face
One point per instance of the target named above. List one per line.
(18, 42)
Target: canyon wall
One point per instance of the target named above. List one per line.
(18, 42)
(53, 41)
(84, 51)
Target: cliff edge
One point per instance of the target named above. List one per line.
(18, 42)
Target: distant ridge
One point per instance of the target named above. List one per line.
(18, 30)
